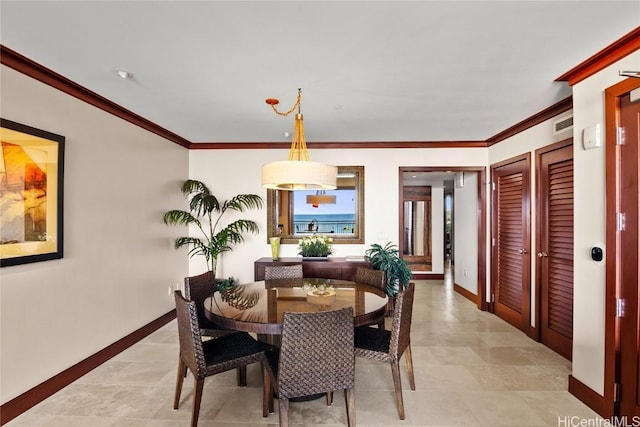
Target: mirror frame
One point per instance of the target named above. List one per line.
(357, 237)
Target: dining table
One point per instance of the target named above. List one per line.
(259, 306)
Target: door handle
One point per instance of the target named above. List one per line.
(542, 254)
(522, 251)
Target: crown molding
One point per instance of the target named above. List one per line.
(24, 65)
(546, 114)
(624, 46)
(337, 145)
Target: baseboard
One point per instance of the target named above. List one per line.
(37, 394)
(420, 276)
(587, 396)
(466, 293)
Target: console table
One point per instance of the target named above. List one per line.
(332, 268)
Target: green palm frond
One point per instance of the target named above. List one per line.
(244, 226)
(243, 201)
(204, 204)
(198, 246)
(205, 208)
(192, 186)
(177, 217)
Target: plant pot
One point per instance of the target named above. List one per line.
(314, 258)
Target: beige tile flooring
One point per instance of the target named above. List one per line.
(471, 369)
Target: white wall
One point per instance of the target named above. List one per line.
(465, 219)
(242, 168)
(118, 260)
(589, 217)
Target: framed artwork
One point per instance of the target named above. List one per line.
(31, 194)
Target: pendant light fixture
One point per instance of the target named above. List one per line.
(298, 172)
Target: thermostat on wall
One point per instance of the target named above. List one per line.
(591, 137)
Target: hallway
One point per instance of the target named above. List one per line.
(472, 369)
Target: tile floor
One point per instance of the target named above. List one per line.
(471, 369)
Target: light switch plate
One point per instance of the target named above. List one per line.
(591, 137)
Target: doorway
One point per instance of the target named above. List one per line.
(622, 333)
(511, 241)
(473, 258)
(554, 261)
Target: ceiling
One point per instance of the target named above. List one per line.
(369, 71)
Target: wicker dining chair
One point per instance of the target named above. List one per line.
(389, 346)
(283, 272)
(210, 357)
(197, 289)
(316, 357)
(373, 278)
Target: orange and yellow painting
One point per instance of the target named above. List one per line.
(23, 194)
(31, 194)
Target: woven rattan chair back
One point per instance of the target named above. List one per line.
(197, 289)
(210, 357)
(316, 356)
(401, 326)
(370, 277)
(191, 350)
(390, 346)
(283, 272)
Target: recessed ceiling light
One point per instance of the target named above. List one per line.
(123, 74)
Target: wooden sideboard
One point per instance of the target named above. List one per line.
(332, 268)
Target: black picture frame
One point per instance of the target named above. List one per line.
(32, 194)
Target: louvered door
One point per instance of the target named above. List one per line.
(511, 242)
(555, 247)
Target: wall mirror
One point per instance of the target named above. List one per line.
(337, 213)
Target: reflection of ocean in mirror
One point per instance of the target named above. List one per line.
(328, 223)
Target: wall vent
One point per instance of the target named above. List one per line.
(563, 125)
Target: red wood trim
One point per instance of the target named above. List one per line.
(466, 293)
(612, 119)
(482, 240)
(526, 157)
(546, 114)
(336, 145)
(587, 396)
(422, 276)
(36, 71)
(607, 56)
(37, 394)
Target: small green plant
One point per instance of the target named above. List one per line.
(387, 258)
(206, 212)
(315, 245)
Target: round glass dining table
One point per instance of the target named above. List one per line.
(258, 306)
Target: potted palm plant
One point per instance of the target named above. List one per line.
(205, 213)
(387, 258)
